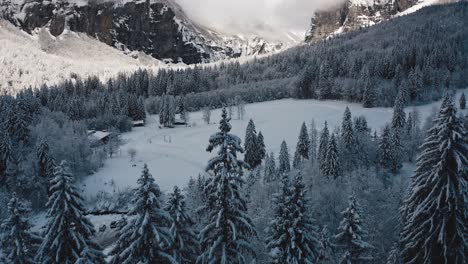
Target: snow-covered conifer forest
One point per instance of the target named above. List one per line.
(350, 149)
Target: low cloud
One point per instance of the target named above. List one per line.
(250, 16)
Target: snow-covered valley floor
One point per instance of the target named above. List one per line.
(174, 155)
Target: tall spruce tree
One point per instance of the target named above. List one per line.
(292, 235)
(462, 101)
(347, 131)
(146, 237)
(313, 142)
(369, 97)
(227, 234)
(284, 159)
(303, 143)
(435, 221)
(252, 152)
(350, 237)
(18, 243)
(185, 248)
(386, 149)
(325, 82)
(68, 231)
(270, 168)
(261, 145)
(45, 161)
(323, 146)
(5, 155)
(399, 116)
(331, 165)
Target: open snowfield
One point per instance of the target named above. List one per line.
(174, 155)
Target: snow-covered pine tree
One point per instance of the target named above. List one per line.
(5, 155)
(313, 135)
(227, 234)
(45, 160)
(292, 235)
(462, 101)
(369, 97)
(325, 246)
(185, 248)
(89, 256)
(360, 125)
(325, 85)
(270, 168)
(297, 160)
(386, 149)
(303, 143)
(331, 165)
(323, 146)
(399, 115)
(18, 243)
(252, 152)
(68, 231)
(284, 159)
(146, 237)
(261, 145)
(435, 223)
(398, 152)
(350, 237)
(347, 131)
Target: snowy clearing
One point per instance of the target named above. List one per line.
(174, 155)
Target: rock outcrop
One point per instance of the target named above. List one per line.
(352, 15)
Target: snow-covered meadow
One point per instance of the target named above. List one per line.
(174, 155)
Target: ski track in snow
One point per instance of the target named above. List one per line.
(173, 163)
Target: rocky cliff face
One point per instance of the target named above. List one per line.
(352, 15)
(157, 27)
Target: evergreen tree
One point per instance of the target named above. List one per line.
(185, 247)
(397, 161)
(369, 98)
(270, 168)
(146, 238)
(18, 242)
(399, 116)
(313, 142)
(68, 231)
(351, 234)
(331, 166)
(462, 101)
(89, 256)
(252, 151)
(303, 144)
(325, 253)
(435, 223)
(227, 234)
(292, 236)
(5, 155)
(386, 149)
(45, 161)
(323, 146)
(347, 131)
(297, 160)
(325, 82)
(261, 145)
(284, 159)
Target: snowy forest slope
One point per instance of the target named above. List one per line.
(43, 59)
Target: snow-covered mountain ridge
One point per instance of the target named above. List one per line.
(159, 28)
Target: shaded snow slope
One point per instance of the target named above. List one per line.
(174, 155)
(34, 60)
